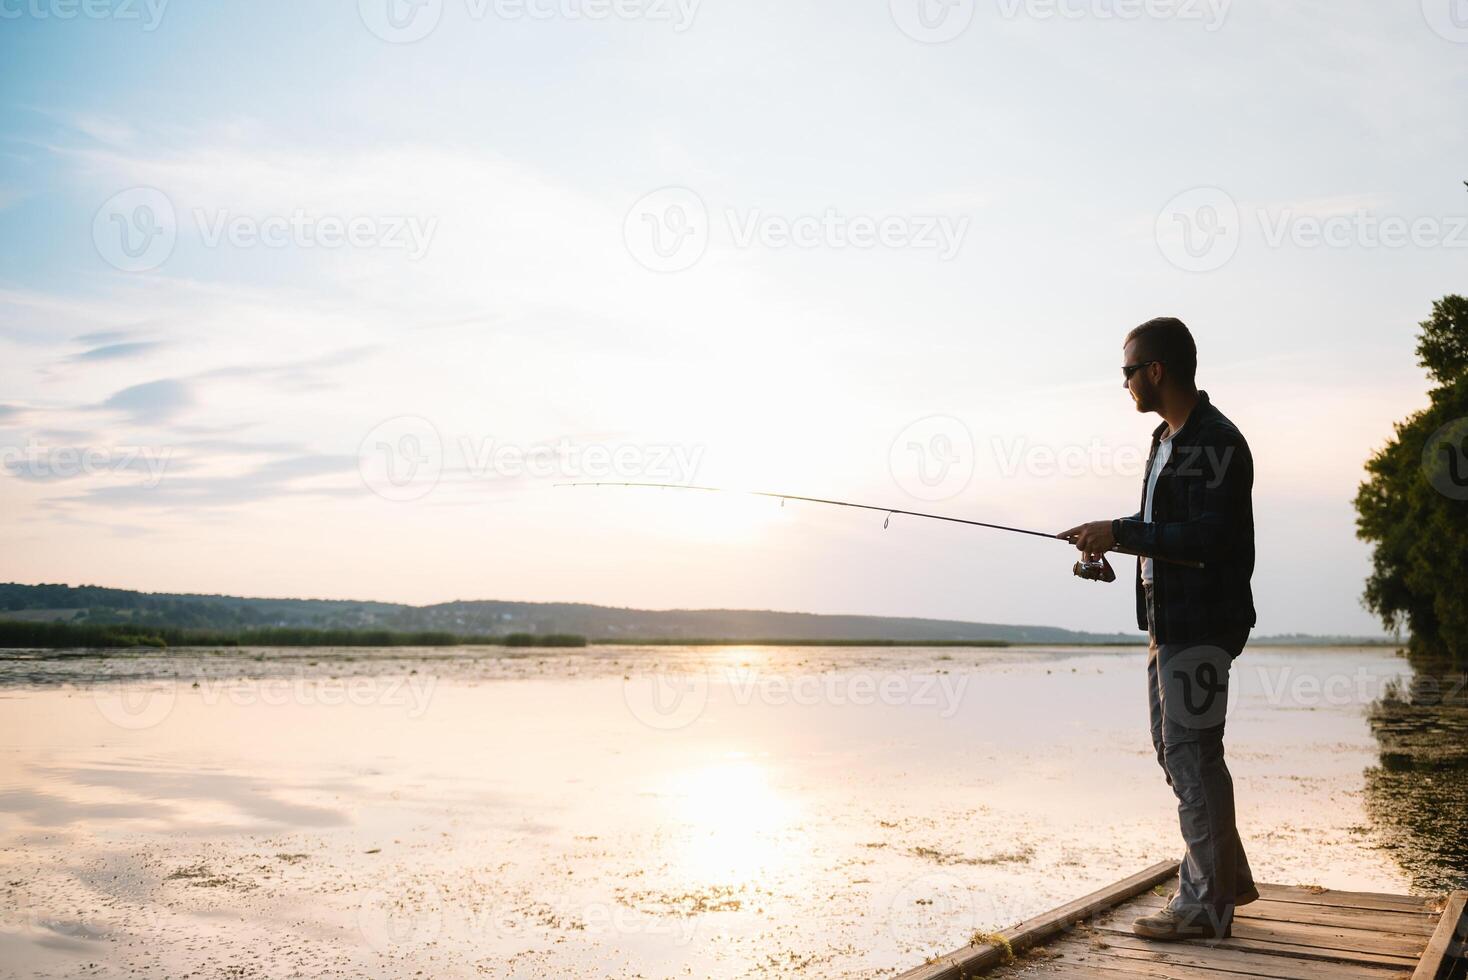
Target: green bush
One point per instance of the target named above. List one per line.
(1414, 504)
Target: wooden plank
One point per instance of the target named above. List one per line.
(1401, 923)
(1331, 898)
(1104, 964)
(1354, 936)
(1333, 956)
(1293, 939)
(971, 959)
(1253, 962)
(1355, 900)
(1329, 937)
(1099, 965)
(1102, 967)
(1290, 933)
(1450, 930)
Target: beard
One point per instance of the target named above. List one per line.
(1146, 398)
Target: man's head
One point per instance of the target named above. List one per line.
(1159, 355)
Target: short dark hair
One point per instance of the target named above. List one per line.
(1167, 339)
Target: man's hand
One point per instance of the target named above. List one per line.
(1093, 539)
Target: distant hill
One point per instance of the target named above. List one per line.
(94, 605)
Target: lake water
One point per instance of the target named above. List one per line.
(625, 812)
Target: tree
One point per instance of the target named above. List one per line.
(1414, 502)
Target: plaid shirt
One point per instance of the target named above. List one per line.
(1202, 511)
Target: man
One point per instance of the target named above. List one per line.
(1196, 529)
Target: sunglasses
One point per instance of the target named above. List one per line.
(1127, 370)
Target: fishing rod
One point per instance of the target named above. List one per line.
(1093, 571)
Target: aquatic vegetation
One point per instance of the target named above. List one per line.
(1021, 856)
(716, 898)
(200, 876)
(994, 939)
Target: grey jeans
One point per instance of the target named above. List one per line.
(1187, 691)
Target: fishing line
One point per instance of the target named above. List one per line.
(1083, 569)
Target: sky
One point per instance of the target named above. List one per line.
(321, 300)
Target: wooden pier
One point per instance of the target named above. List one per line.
(1291, 933)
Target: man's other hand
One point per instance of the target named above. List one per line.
(1093, 539)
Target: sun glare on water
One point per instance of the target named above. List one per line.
(737, 824)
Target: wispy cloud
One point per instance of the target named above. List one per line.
(153, 401)
(240, 447)
(310, 372)
(34, 317)
(116, 352)
(291, 477)
(104, 129)
(104, 337)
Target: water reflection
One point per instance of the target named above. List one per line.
(737, 824)
(190, 799)
(1417, 798)
(754, 658)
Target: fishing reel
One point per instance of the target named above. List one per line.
(1099, 570)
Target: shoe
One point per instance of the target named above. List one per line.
(1169, 926)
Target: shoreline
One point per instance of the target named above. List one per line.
(65, 637)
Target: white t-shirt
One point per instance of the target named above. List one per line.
(1164, 453)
